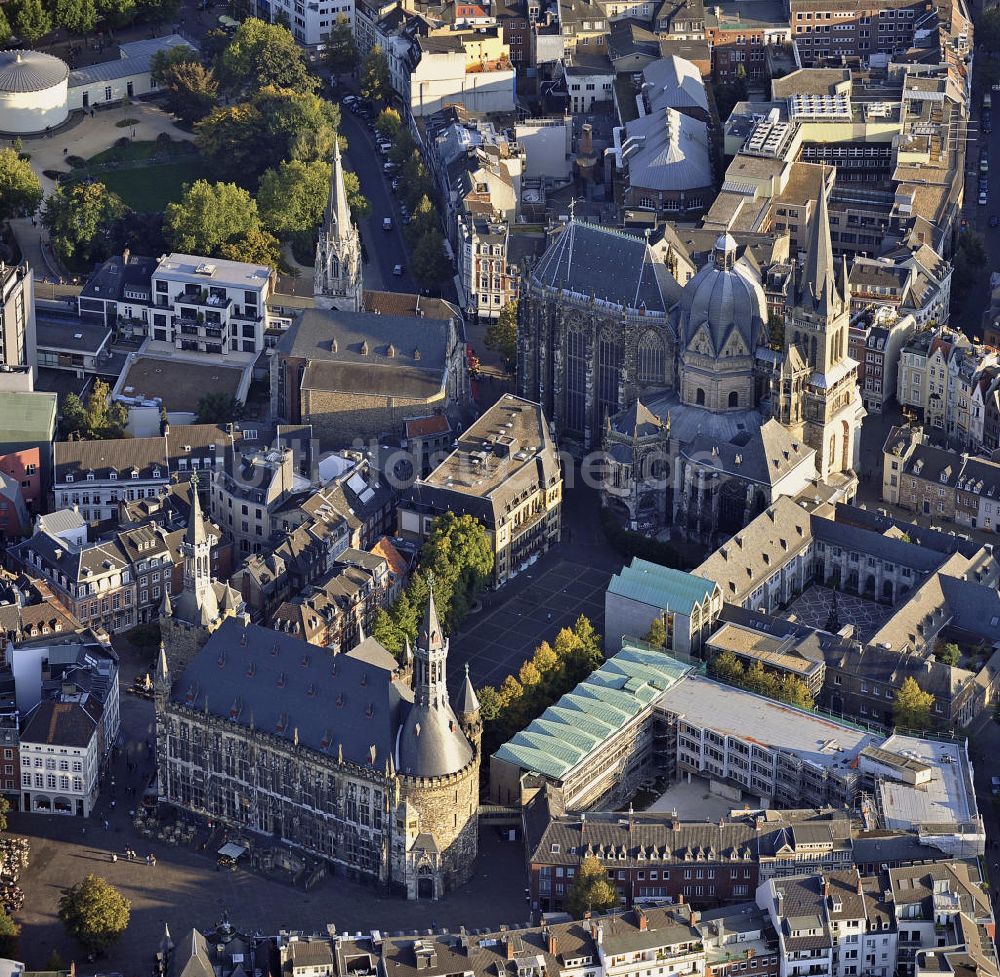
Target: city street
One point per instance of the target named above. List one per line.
(384, 249)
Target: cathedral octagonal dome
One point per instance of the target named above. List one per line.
(723, 295)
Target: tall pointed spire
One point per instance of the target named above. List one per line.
(845, 281)
(161, 679)
(818, 280)
(195, 534)
(468, 701)
(337, 209)
(430, 635)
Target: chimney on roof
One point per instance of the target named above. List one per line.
(642, 920)
(553, 945)
(695, 917)
(680, 899)
(510, 947)
(861, 888)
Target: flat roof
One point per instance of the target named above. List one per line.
(765, 648)
(583, 720)
(212, 271)
(948, 798)
(179, 384)
(73, 335)
(27, 416)
(755, 719)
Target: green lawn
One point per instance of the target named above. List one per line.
(146, 187)
(138, 151)
(149, 189)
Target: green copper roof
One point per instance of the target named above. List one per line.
(581, 720)
(659, 586)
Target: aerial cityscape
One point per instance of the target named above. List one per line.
(499, 488)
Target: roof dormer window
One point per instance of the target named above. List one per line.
(135, 474)
(69, 478)
(113, 476)
(90, 476)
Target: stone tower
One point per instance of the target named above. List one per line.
(337, 283)
(437, 765)
(817, 367)
(203, 602)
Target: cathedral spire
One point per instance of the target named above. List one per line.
(338, 211)
(818, 279)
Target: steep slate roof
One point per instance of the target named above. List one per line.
(70, 724)
(613, 265)
(667, 150)
(77, 458)
(765, 456)
(674, 82)
(581, 720)
(283, 685)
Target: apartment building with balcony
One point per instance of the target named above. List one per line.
(210, 305)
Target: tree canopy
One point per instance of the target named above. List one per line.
(429, 264)
(950, 654)
(97, 420)
(79, 219)
(456, 559)
(20, 189)
(191, 90)
(9, 933)
(784, 688)
(341, 52)
(209, 216)
(388, 124)
(94, 913)
(219, 408)
(162, 60)
(76, 16)
(912, 706)
(6, 32)
(32, 21)
(276, 125)
(552, 671)
(657, 633)
(591, 891)
(376, 85)
(262, 55)
(501, 335)
(292, 197)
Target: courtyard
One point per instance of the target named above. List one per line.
(814, 605)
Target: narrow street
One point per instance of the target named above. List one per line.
(383, 249)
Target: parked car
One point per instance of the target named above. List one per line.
(994, 220)
(395, 184)
(984, 184)
(386, 223)
(397, 269)
(983, 196)
(385, 148)
(995, 785)
(389, 168)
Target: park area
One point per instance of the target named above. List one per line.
(147, 175)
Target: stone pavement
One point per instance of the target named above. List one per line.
(185, 889)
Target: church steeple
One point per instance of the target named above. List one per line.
(818, 279)
(337, 280)
(338, 211)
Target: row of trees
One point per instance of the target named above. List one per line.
(756, 678)
(33, 19)
(553, 670)
(428, 261)
(456, 560)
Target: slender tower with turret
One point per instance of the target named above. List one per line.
(338, 283)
